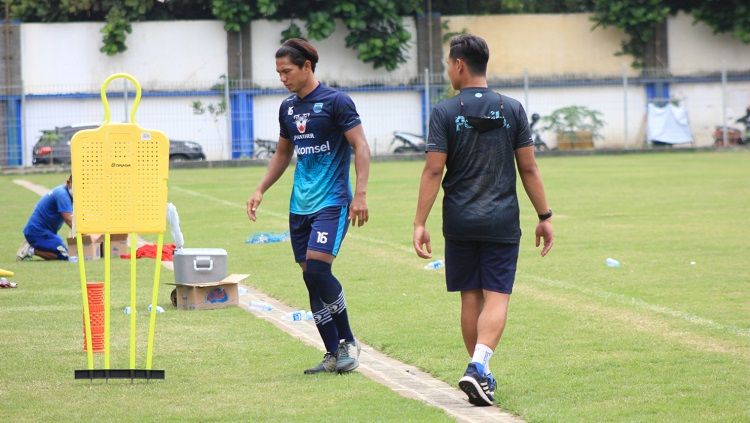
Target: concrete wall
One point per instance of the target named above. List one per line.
(694, 48)
(337, 62)
(705, 113)
(545, 44)
(381, 114)
(65, 57)
(610, 101)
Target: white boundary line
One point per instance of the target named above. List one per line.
(285, 218)
(37, 189)
(640, 304)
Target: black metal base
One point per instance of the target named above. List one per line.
(119, 374)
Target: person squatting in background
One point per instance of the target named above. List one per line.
(40, 233)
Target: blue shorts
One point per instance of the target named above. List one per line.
(480, 265)
(48, 241)
(321, 231)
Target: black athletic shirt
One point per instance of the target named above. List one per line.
(480, 201)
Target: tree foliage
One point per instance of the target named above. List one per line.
(731, 16)
(377, 33)
(637, 18)
(487, 7)
(375, 27)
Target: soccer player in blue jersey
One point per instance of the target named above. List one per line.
(479, 137)
(40, 232)
(322, 127)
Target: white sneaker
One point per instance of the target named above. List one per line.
(24, 252)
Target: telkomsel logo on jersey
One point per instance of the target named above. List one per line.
(313, 149)
(301, 122)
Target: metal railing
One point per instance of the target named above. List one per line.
(228, 117)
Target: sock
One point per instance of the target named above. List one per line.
(31, 251)
(323, 321)
(332, 295)
(482, 355)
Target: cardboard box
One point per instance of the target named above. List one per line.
(92, 246)
(209, 295)
(119, 245)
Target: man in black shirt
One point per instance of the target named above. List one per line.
(479, 137)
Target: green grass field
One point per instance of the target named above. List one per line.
(658, 339)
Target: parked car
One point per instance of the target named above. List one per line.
(53, 146)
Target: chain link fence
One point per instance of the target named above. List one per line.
(231, 119)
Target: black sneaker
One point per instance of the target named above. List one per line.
(479, 388)
(328, 365)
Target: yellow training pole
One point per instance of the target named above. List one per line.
(85, 298)
(154, 298)
(107, 272)
(132, 301)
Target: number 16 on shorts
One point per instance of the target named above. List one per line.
(321, 231)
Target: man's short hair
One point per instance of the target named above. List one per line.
(298, 50)
(473, 51)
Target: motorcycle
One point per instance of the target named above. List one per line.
(409, 143)
(264, 149)
(539, 144)
(735, 136)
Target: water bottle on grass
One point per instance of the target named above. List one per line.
(295, 316)
(612, 262)
(260, 306)
(434, 265)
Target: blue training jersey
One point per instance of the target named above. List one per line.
(47, 215)
(316, 125)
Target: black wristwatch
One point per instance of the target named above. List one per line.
(545, 216)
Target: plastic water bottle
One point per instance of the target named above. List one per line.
(174, 222)
(267, 237)
(278, 237)
(73, 259)
(126, 310)
(309, 316)
(159, 309)
(259, 238)
(260, 306)
(612, 262)
(435, 265)
(295, 316)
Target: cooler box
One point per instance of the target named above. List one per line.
(199, 265)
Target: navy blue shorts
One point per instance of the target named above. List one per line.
(480, 265)
(48, 241)
(321, 231)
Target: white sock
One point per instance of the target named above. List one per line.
(482, 355)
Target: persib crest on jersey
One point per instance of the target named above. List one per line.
(301, 122)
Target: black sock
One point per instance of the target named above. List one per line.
(332, 294)
(323, 321)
